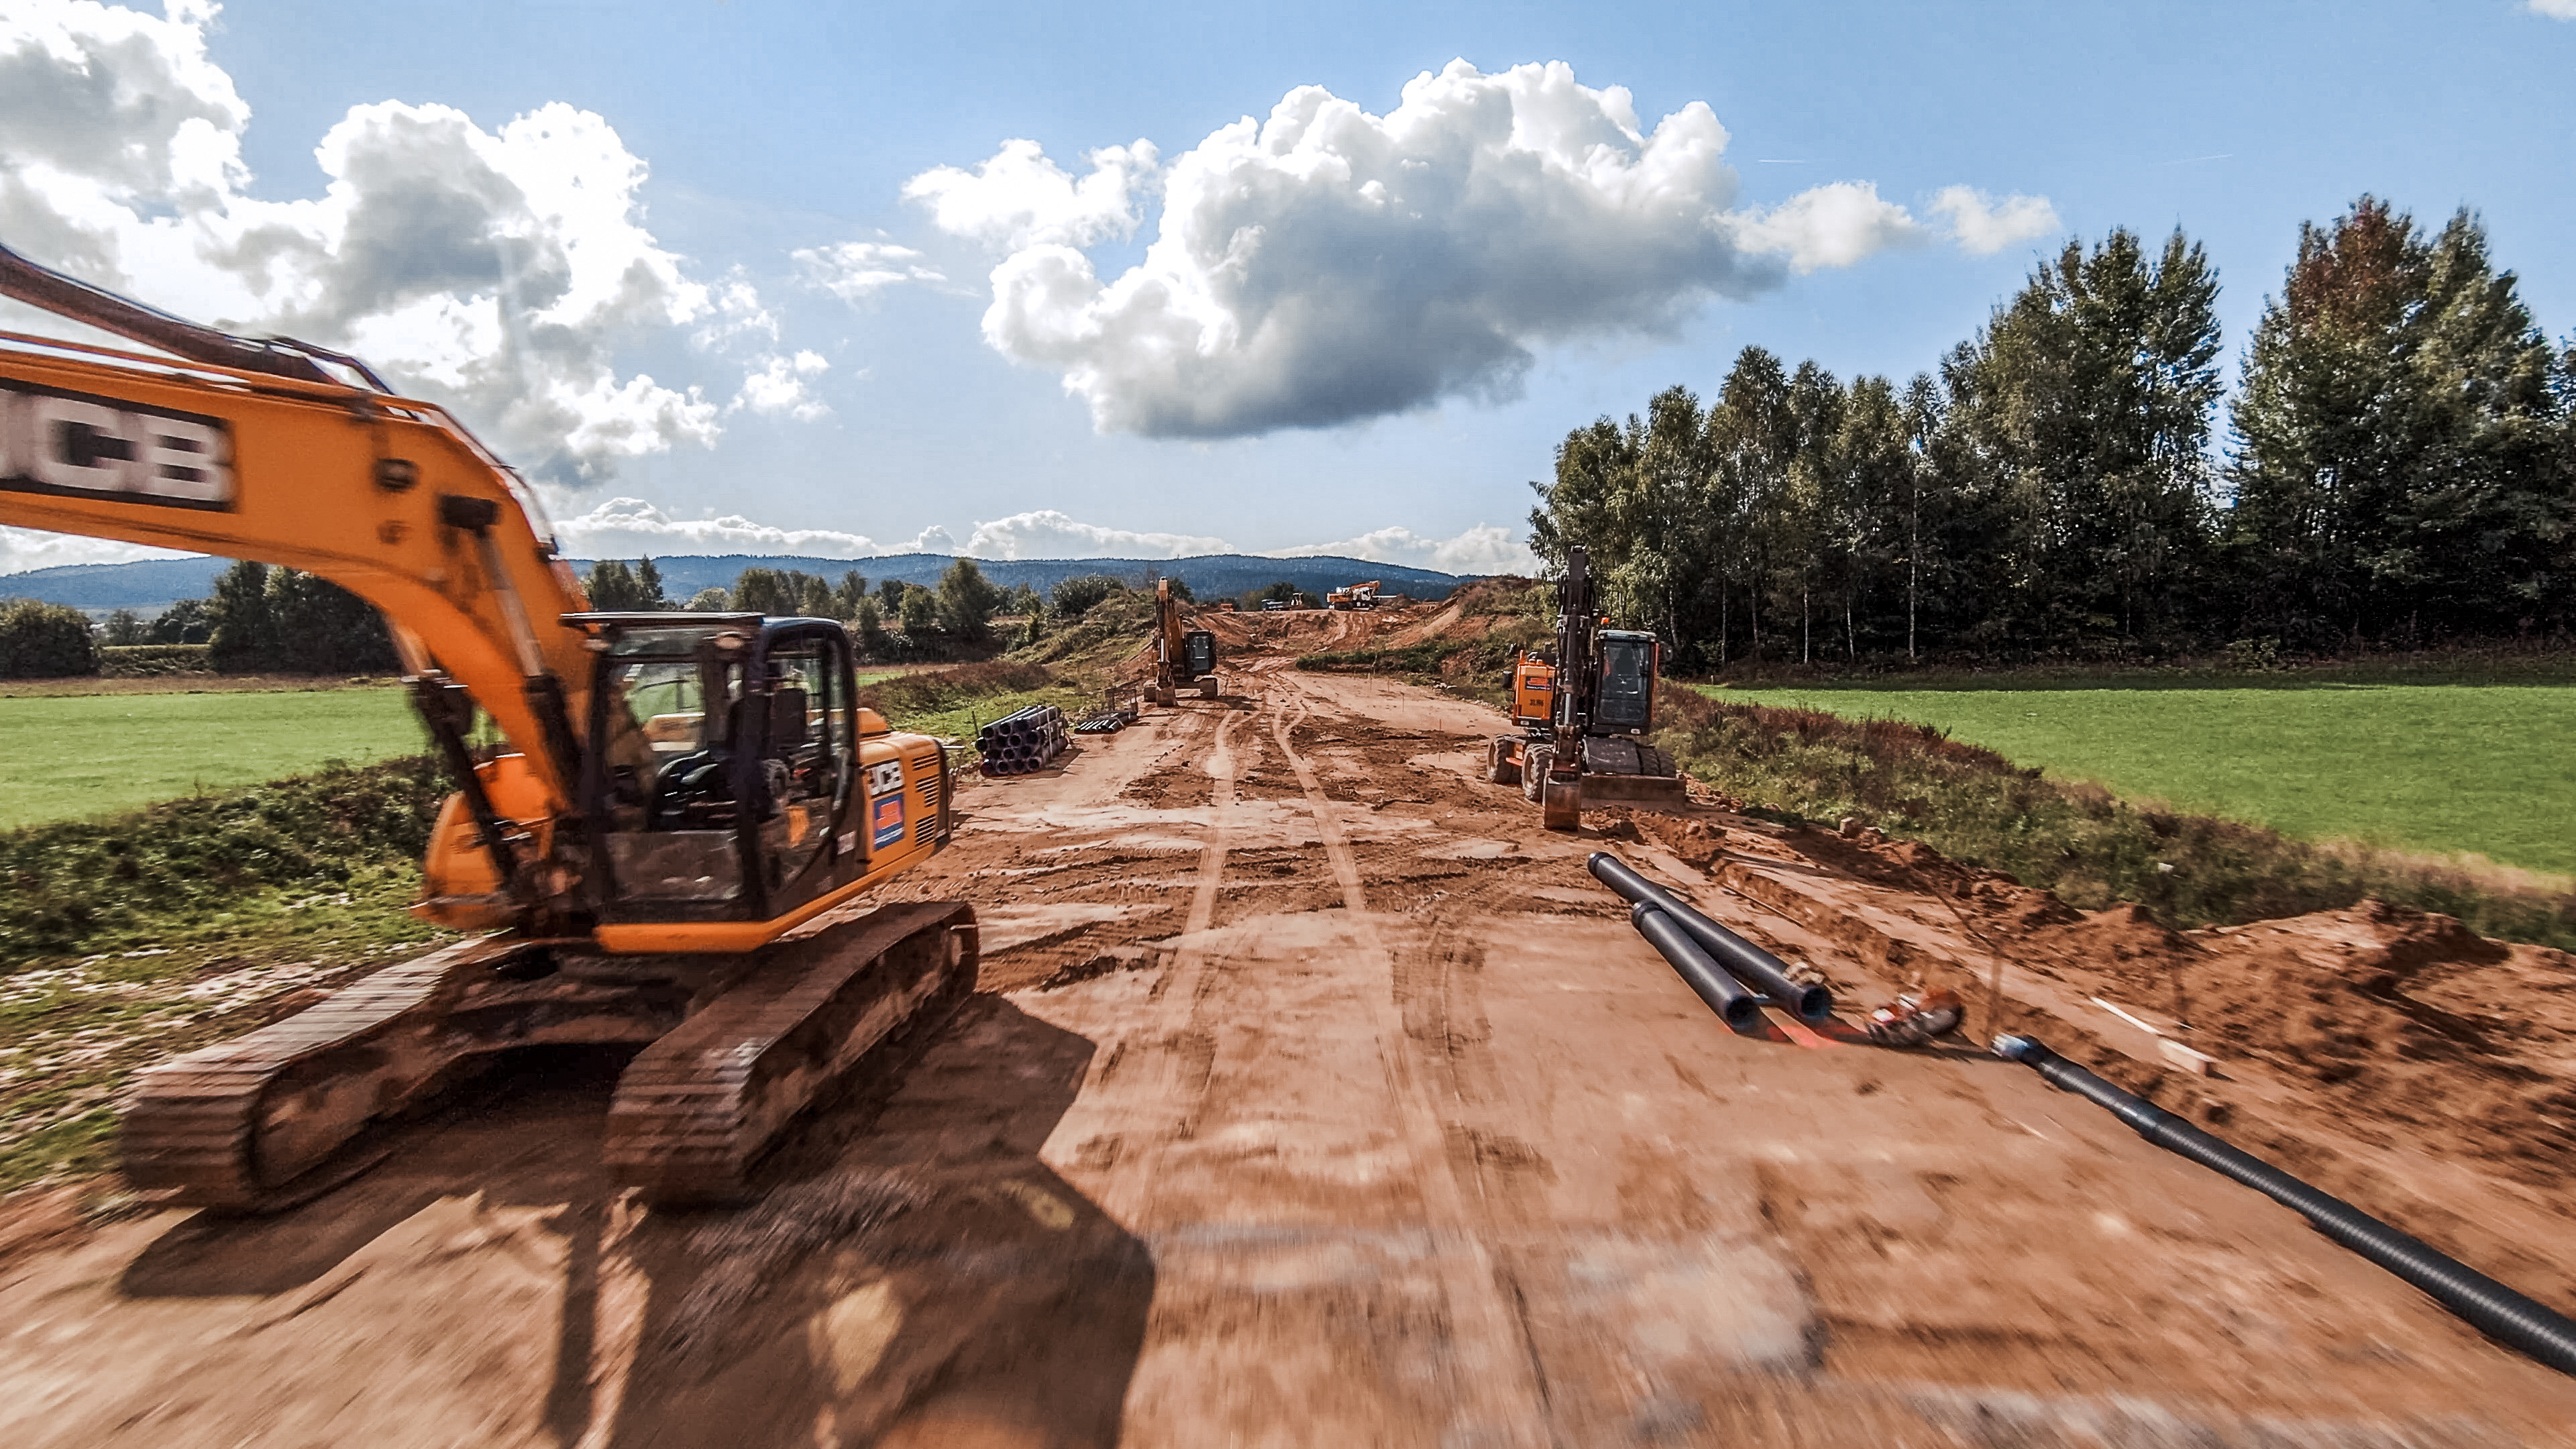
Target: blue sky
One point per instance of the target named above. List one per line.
(892, 413)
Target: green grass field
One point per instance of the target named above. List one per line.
(74, 756)
(2434, 767)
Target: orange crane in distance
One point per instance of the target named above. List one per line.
(658, 855)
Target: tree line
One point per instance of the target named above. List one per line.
(2400, 469)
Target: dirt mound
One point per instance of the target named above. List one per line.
(2125, 943)
(2397, 1016)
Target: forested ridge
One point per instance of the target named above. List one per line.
(2398, 469)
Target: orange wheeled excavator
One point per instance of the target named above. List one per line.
(1584, 715)
(658, 854)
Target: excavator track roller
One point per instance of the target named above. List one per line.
(735, 1046)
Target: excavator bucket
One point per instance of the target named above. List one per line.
(736, 1047)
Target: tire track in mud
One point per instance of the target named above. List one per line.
(1492, 1333)
(1188, 1058)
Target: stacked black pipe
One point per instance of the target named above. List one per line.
(1018, 743)
(1106, 722)
(1730, 973)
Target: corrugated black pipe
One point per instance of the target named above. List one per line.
(2489, 1306)
(1741, 958)
(1725, 995)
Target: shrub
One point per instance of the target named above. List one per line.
(45, 641)
(1075, 597)
(147, 661)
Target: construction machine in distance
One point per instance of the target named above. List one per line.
(656, 853)
(1584, 715)
(1183, 658)
(1354, 596)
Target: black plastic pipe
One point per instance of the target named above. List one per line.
(1737, 1006)
(2485, 1304)
(1741, 958)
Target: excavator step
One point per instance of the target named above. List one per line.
(695, 1111)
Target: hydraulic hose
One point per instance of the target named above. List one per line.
(1741, 958)
(1736, 1006)
(2487, 1305)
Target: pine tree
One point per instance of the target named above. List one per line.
(2400, 472)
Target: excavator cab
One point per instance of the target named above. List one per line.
(730, 775)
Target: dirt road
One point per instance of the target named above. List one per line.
(1318, 1097)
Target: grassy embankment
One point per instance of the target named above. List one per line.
(127, 937)
(2075, 836)
(2441, 768)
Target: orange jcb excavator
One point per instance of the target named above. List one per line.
(656, 854)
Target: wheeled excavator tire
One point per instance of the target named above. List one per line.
(1501, 766)
(738, 1045)
(1534, 763)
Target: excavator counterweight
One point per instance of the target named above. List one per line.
(670, 851)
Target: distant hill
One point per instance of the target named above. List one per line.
(155, 584)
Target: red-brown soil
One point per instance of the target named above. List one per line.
(1316, 1096)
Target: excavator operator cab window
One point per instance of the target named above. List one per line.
(1626, 702)
(731, 749)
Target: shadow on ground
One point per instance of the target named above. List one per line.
(911, 1273)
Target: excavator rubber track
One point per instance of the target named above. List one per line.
(696, 1110)
(736, 1048)
(243, 1123)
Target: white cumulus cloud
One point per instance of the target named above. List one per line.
(1483, 549)
(1834, 225)
(856, 271)
(628, 527)
(1019, 198)
(1983, 226)
(779, 385)
(495, 270)
(1046, 533)
(1326, 265)
(2555, 9)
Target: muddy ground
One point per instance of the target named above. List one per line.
(1316, 1096)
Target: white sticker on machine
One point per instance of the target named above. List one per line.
(885, 779)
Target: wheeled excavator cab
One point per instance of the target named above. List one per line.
(1624, 699)
(1198, 653)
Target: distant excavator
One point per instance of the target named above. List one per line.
(1584, 714)
(660, 852)
(1354, 596)
(1183, 658)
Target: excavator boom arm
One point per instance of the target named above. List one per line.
(389, 498)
